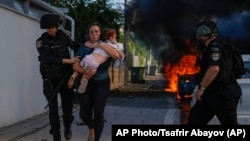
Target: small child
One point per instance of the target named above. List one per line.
(96, 58)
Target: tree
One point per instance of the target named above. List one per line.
(108, 14)
(137, 48)
(85, 12)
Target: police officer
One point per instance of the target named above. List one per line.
(55, 64)
(218, 93)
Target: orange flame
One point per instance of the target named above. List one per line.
(185, 66)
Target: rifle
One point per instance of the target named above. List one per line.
(54, 93)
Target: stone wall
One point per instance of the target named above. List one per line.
(117, 77)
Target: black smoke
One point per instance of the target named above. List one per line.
(170, 23)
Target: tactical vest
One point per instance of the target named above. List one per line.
(58, 47)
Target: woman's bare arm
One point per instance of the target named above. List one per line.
(110, 50)
(88, 72)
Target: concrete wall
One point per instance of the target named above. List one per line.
(20, 81)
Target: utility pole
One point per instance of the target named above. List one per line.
(126, 43)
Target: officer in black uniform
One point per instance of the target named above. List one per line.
(218, 93)
(55, 67)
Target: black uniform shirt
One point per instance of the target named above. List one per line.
(213, 55)
(52, 50)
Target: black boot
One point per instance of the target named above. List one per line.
(67, 132)
(67, 129)
(56, 136)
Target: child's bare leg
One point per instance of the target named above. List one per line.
(72, 79)
(83, 83)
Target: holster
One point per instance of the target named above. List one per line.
(55, 71)
(47, 89)
(43, 72)
(51, 71)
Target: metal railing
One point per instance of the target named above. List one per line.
(35, 9)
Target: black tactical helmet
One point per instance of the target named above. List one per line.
(49, 21)
(206, 28)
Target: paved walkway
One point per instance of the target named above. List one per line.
(125, 110)
(148, 105)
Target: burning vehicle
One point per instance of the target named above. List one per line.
(181, 77)
(185, 85)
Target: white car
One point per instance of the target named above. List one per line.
(244, 105)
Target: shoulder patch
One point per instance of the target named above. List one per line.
(39, 43)
(215, 56)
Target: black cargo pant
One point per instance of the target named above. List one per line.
(66, 103)
(221, 101)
